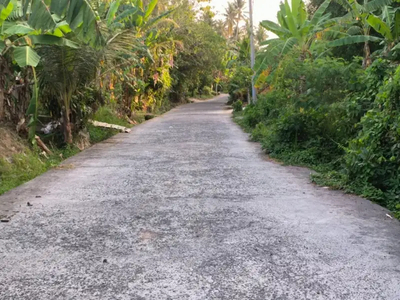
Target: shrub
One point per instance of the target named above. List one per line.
(240, 84)
(207, 91)
(237, 106)
(373, 156)
(338, 118)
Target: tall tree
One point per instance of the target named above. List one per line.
(230, 18)
(357, 27)
(239, 6)
(261, 35)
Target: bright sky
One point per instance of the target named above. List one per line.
(262, 9)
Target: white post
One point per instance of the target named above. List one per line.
(252, 53)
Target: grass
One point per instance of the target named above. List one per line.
(107, 115)
(327, 173)
(204, 96)
(22, 167)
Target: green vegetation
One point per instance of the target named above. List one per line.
(134, 56)
(22, 167)
(323, 106)
(105, 114)
(237, 106)
(65, 62)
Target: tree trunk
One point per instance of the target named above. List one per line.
(2, 96)
(367, 55)
(1, 104)
(237, 31)
(67, 127)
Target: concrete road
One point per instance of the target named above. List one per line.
(185, 207)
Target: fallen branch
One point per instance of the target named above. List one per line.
(132, 122)
(113, 126)
(42, 145)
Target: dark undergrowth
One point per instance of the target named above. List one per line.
(30, 162)
(349, 135)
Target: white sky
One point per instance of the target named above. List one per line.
(262, 9)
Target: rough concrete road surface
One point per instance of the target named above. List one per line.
(185, 207)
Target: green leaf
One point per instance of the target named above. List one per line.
(320, 11)
(159, 18)
(41, 17)
(374, 5)
(139, 20)
(302, 16)
(281, 16)
(57, 32)
(4, 3)
(291, 21)
(5, 11)
(81, 17)
(274, 28)
(19, 29)
(59, 7)
(397, 47)
(289, 44)
(354, 30)
(267, 42)
(345, 4)
(380, 27)
(295, 9)
(125, 14)
(354, 39)
(26, 56)
(396, 25)
(112, 11)
(64, 27)
(2, 46)
(150, 8)
(45, 39)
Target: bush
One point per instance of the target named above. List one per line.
(373, 157)
(207, 91)
(237, 106)
(337, 118)
(305, 109)
(240, 84)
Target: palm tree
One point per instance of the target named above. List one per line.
(219, 26)
(230, 17)
(64, 71)
(261, 35)
(32, 24)
(239, 7)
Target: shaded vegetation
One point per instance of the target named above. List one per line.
(64, 63)
(323, 106)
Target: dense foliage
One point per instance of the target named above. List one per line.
(322, 105)
(60, 61)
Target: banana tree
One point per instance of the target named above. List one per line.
(294, 30)
(26, 25)
(388, 26)
(357, 24)
(136, 50)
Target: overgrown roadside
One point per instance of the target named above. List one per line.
(328, 173)
(21, 162)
